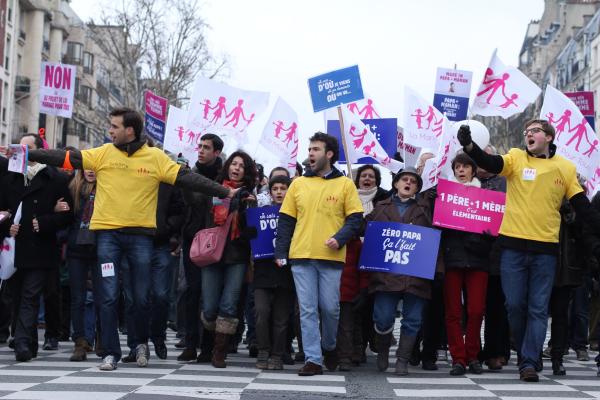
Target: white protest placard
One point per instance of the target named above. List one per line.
(18, 159)
(179, 139)
(57, 88)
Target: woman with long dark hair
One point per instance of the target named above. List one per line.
(222, 282)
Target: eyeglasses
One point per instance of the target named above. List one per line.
(532, 131)
(409, 179)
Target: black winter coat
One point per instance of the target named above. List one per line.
(465, 250)
(36, 250)
(575, 249)
(169, 214)
(267, 275)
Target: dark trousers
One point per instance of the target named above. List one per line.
(6, 309)
(52, 315)
(559, 310)
(79, 271)
(433, 329)
(349, 336)
(272, 311)
(29, 285)
(496, 331)
(164, 266)
(192, 297)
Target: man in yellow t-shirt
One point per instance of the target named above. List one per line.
(537, 182)
(320, 213)
(128, 173)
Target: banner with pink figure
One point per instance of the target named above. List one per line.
(361, 142)
(440, 166)
(504, 91)
(422, 121)
(468, 208)
(280, 135)
(575, 139)
(178, 139)
(224, 110)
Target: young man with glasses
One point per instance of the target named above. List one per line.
(537, 181)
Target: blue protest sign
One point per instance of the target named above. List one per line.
(400, 249)
(155, 128)
(334, 88)
(264, 219)
(452, 89)
(385, 130)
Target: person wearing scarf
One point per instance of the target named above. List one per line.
(222, 282)
(466, 257)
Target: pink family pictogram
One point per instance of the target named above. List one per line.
(495, 84)
(563, 124)
(219, 112)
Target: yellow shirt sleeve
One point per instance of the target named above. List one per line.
(91, 158)
(352, 202)
(167, 168)
(289, 202)
(573, 186)
(509, 163)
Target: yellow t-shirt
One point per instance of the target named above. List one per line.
(127, 187)
(536, 188)
(320, 207)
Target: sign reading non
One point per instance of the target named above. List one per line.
(57, 88)
(384, 130)
(334, 88)
(264, 219)
(400, 249)
(155, 115)
(452, 89)
(468, 208)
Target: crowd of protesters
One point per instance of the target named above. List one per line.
(104, 239)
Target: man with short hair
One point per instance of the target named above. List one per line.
(320, 213)
(209, 165)
(128, 175)
(537, 181)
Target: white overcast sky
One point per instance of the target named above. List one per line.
(276, 45)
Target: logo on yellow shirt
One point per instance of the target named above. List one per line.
(559, 182)
(143, 171)
(331, 199)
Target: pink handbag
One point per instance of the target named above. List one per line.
(208, 245)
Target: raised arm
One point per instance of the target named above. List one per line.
(67, 159)
(188, 180)
(491, 163)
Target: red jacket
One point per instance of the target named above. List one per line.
(352, 278)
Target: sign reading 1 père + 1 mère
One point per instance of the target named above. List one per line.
(334, 88)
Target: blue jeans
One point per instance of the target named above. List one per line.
(221, 287)
(384, 312)
(137, 249)
(162, 272)
(90, 317)
(527, 280)
(318, 288)
(78, 275)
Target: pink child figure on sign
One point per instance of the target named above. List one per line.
(278, 128)
(550, 118)
(360, 136)
(593, 147)
(207, 108)
(494, 84)
(220, 110)
(291, 131)
(510, 102)
(179, 131)
(561, 123)
(580, 132)
(368, 148)
(236, 113)
(369, 110)
(418, 117)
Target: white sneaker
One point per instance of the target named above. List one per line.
(108, 364)
(142, 355)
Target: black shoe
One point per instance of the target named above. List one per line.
(529, 375)
(287, 359)
(160, 349)
(330, 360)
(11, 343)
(22, 352)
(299, 356)
(129, 357)
(557, 368)
(3, 338)
(415, 357)
(187, 355)
(180, 344)
(253, 350)
(475, 367)
(50, 344)
(205, 356)
(429, 365)
(457, 370)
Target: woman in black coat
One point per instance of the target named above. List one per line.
(37, 254)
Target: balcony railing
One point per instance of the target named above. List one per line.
(22, 84)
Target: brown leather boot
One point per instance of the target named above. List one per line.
(80, 350)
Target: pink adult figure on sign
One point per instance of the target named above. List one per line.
(179, 131)
(430, 116)
(236, 113)
(291, 132)
(494, 84)
(561, 123)
(207, 108)
(369, 110)
(360, 137)
(580, 131)
(191, 137)
(220, 110)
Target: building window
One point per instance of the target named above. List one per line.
(85, 95)
(10, 11)
(6, 54)
(5, 92)
(74, 53)
(88, 63)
